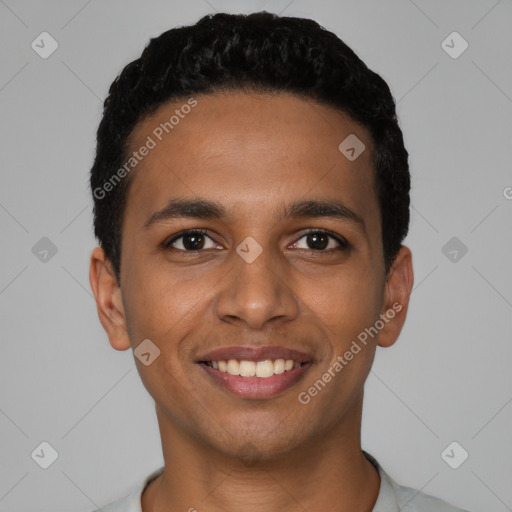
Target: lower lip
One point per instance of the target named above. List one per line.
(257, 387)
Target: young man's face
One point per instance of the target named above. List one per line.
(254, 156)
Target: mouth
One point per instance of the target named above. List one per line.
(261, 369)
(255, 373)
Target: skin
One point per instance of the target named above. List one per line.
(254, 154)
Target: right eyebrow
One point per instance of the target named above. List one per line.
(193, 208)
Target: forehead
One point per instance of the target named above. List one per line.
(250, 151)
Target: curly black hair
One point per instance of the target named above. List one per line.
(259, 52)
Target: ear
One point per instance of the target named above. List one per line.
(397, 292)
(108, 299)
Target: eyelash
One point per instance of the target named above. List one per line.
(343, 244)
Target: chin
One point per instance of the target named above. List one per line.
(259, 446)
(251, 454)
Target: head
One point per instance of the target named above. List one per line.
(237, 119)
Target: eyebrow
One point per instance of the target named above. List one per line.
(206, 209)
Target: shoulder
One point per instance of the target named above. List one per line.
(131, 501)
(412, 500)
(398, 498)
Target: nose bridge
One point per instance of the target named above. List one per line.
(256, 290)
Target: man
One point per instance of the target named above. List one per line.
(251, 196)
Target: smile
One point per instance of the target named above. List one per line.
(252, 386)
(254, 372)
(261, 369)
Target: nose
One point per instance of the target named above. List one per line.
(257, 292)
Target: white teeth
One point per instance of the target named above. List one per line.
(247, 368)
(279, 366)
(261, 369)
(233, 367)
(265, 368)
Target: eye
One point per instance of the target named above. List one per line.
(194, 240)
(190, 240)
(323, 241)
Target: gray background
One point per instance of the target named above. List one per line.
(447, 379)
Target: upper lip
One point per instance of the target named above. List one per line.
(248, 353)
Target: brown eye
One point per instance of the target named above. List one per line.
(319, 240)
(191, 240)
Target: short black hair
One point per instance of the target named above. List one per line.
(258, 52)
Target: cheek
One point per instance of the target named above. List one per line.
(168, 310)
(159, 302)
(165, 312)
(345, 304)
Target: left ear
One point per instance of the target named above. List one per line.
(396, 297)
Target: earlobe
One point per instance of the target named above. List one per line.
(396, 297)
(108, 299)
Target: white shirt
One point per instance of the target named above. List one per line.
(392, 497)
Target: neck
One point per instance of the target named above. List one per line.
(327, 473)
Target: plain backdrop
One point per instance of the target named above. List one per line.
(447, 378)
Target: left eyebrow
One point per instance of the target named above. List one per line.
(329, 208)
(205, 209)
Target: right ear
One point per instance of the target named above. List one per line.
(107, 294)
